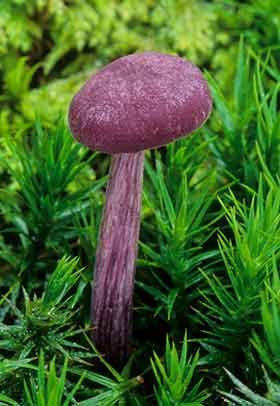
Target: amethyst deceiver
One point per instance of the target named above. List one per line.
(140, 101)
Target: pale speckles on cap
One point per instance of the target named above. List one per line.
(140, 101)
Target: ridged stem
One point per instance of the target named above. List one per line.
(116, 256)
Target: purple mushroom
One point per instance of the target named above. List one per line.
(140, 101)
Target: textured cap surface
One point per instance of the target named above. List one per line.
(140, 101)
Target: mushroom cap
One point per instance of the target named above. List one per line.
(140, 101)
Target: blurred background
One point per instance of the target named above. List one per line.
(49, 47)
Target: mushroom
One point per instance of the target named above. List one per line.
(140, 101)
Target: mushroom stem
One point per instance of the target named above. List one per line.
(116, 254)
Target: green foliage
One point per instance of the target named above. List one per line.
(93, 24)
(258, 20)
(49, 389)
(6, 401)
(233, 307)
(251, 398)
(118, 389)
(174, 377)
(40, 206)
(268, 346)
(47, 322)
(61, 42)
(182, 227)
(81, 35)
(66, 40)
(17, 80)
(249, 122)
(209, 245)
(255, 20)
(8, 367)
